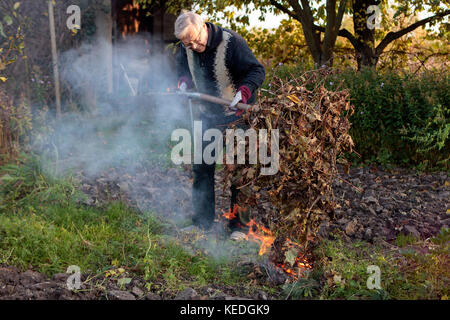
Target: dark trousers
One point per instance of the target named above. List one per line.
(203, 194)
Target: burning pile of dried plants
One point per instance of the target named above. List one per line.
(313, 129)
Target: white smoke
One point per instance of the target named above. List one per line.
(116, 129)
(114, 126)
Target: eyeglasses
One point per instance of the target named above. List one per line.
(196, 41)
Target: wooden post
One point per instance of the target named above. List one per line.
(51, 18)
(104, 26)
(102, 57)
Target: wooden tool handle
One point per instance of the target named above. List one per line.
(221, 101)
(205, 97)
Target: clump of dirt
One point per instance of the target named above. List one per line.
(165, 191)
(374, 203)
(31, 285)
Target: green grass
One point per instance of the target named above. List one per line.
(403, 240)
(53, 237)
(414, 269)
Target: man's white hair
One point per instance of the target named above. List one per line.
(185, 20)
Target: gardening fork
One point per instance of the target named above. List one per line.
(204, 97)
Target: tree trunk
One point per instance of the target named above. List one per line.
(366, 58)
(321, 49)
(365, 37)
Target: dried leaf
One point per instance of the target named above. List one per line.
(123, 281)
(291, 256)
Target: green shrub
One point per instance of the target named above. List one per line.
(400, 118)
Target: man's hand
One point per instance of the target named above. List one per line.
(184, 83)
(242, 95)
(183, 87)
(236, 100)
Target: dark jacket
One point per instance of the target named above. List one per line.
(225, 65)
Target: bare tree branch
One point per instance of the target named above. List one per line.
(342, 33)
(284, 9)
(341, 11)
(391, 36)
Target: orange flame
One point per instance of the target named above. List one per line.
(262, 234)
(232, 215)
(300, 263)
(257, 232)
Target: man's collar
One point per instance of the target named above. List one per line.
(214, 36)
(210, 36)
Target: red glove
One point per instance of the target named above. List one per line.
(246, 94)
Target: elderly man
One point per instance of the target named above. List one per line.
(218, 62)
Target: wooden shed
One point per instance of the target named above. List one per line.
(152, 29)
(129, 18)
